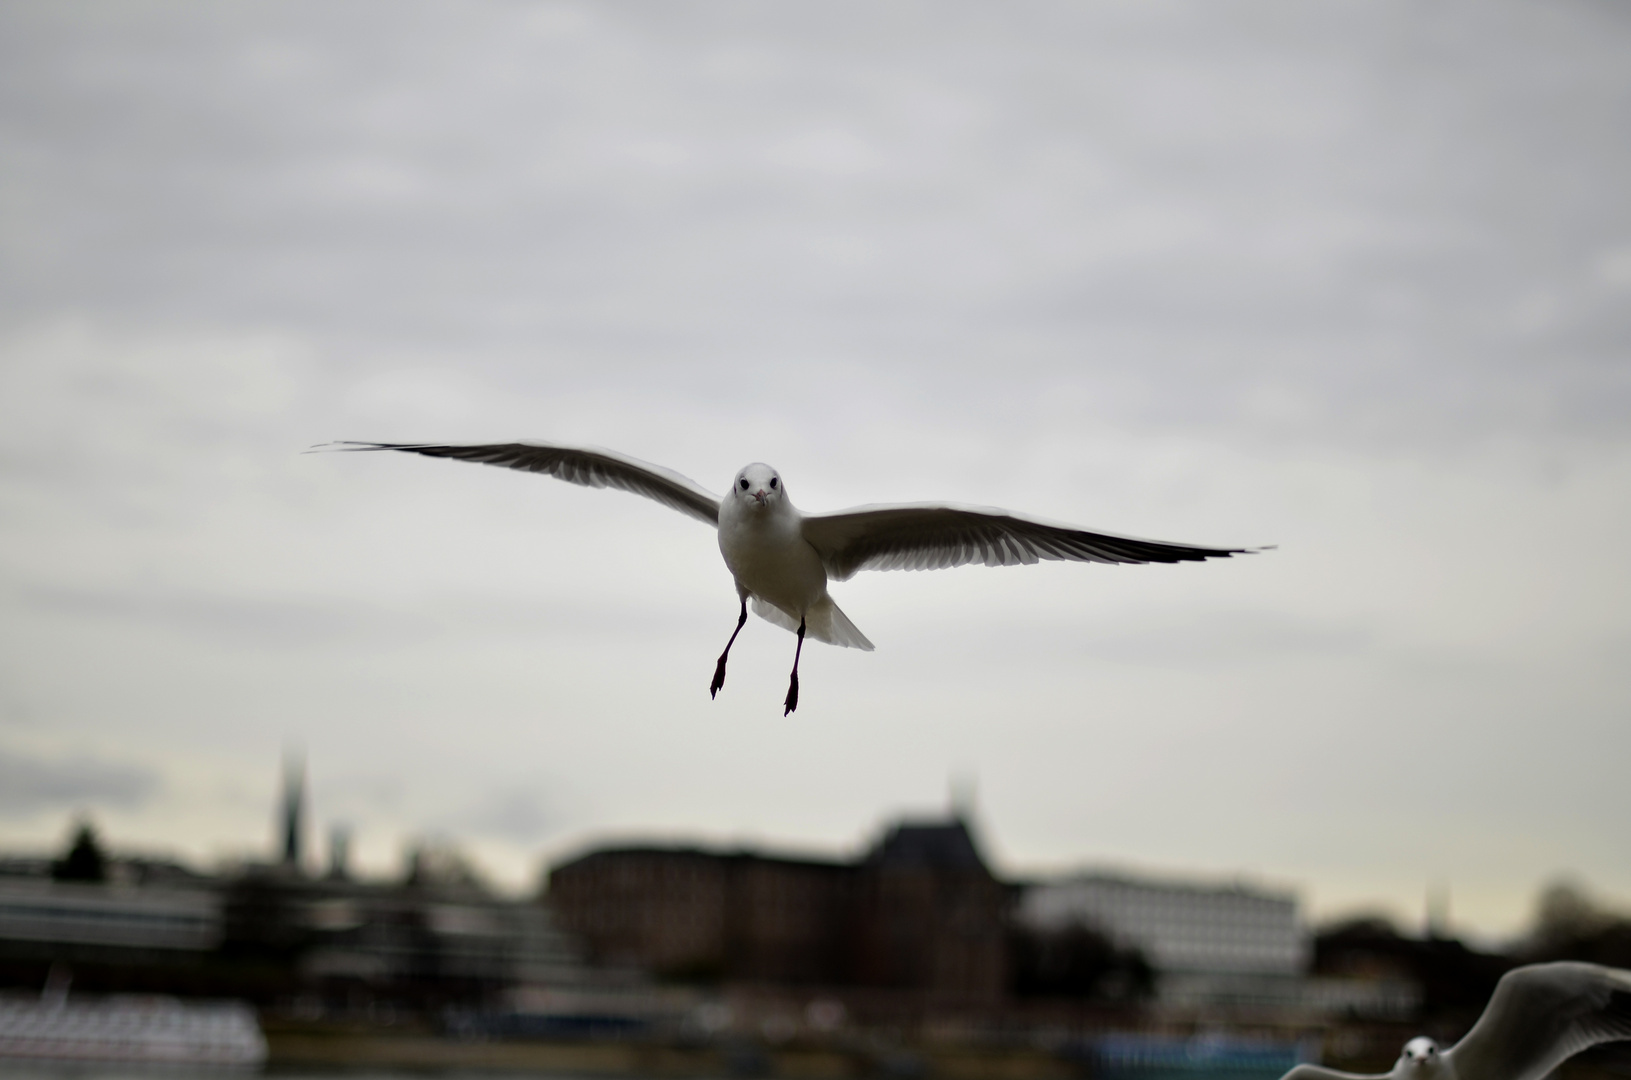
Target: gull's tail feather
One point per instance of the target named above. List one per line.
(838, 630)
(823, 621)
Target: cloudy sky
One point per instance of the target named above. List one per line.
(1350, 278)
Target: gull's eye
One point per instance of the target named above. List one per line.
(772, 481)
(744, 483)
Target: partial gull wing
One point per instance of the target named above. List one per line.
(589, 466)
(931, 536)
(1542, 1015)
(1320, 1072)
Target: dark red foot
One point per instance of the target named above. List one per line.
(719, 678)
(792, 694)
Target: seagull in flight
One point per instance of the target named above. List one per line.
(1539, 1017)
(782, 558)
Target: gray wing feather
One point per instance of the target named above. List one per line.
(589, 466)
(1542, 1015)
(932, 536)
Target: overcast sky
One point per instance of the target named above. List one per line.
(1354, 279)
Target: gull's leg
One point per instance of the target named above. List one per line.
(719, 669)
(793, 687)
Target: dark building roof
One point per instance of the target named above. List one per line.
(941, 845)
(694, 851)
(929, 845)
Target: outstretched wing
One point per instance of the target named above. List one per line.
(1542, 1015)
(931, 536)
(586, 465)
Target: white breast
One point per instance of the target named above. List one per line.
(770, 558)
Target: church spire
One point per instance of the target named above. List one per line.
(292, 812)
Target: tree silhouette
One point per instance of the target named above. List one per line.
(84, 861)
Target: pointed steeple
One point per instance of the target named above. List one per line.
(292, 812)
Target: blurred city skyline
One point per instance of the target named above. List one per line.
(1353, 279)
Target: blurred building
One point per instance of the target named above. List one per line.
(692, 914)
(930, 915)
(274, 933)
(919, 912)
(1433, 978)
(1205, 945)
(57, 916)
(146, 919)
(918, 921)
(337, 943)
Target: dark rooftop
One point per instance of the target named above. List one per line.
(940, 845)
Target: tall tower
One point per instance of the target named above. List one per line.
(292, 811)
(962, 798)
(339, 852)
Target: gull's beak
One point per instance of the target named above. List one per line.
(759, 496)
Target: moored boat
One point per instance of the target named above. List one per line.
(131, 1030)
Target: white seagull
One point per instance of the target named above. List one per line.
(1539, 1017)
(782, 558)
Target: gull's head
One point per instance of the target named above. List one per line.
(1420, 1057)
(758, 485)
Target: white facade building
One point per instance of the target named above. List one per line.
(128, 916)
(1206, 944)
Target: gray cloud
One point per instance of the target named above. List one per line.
(520, 814)
(285, 622)
(261, 621)
(1174, 639)
(1225, 636)
(30, 783)
(1103, 202)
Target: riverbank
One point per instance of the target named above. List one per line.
(301, 1048)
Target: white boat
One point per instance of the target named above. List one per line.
(131, 1030)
